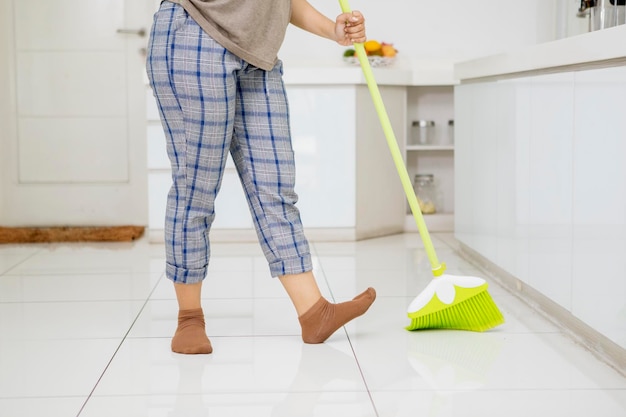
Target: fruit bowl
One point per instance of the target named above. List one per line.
(375, 61)
(379, 54)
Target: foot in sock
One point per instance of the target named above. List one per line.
(324, 318)
(190, 337)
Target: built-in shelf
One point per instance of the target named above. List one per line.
(436, 156)
(430, 147)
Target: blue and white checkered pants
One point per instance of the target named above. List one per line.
(211, 102)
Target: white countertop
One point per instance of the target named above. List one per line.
(400, 73)
(588, 48)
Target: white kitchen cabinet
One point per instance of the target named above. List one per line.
(512, 193)
(598, 269)
(432, 103)
(551, 185)
(324, 139)
(541, 186)
(345, 178)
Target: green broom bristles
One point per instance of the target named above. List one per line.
(477, 313)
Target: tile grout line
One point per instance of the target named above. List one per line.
(119, 346)
(358, 364)
(367, 388)
(4, 273)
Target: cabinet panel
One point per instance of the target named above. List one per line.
(483, 173)
(380, 199)
(552, 121)
(323, 131)
(513, 176)
(600, 133)
(599, 201)
(463, 192)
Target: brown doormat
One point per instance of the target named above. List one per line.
(69, 234)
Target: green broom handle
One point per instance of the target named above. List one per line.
(437, 267)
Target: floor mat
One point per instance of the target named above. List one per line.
(70, 234)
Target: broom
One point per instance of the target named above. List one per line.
(448, 302)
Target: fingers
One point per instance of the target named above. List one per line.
(354, 27)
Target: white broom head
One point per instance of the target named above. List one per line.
(443, 288)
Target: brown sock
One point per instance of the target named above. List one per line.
(190, 336)
(324, 318)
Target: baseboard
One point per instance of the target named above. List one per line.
(438, 222)
(601, 346)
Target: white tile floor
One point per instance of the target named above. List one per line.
(85, 331)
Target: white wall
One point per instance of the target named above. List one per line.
(7, 107)
(567, 23)
(450, 30)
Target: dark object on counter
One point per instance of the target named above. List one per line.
(587, 4)
(584, 5)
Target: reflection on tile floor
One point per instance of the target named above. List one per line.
(85, 331)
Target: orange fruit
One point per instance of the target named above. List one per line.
(371, 46)
(388, 50)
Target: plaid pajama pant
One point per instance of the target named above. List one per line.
(211, 103)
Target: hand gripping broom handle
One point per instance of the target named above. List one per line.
(437, 267)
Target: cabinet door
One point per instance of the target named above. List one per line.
(513, 176)
(599, 201)
(323, 131)
(463, 192)
(478, 114)
(551, 179)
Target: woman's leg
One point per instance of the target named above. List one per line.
(318, 317)
(188, 295)
(264, 157)
(302, 290)
(262, 152)
(190, 336)
(192, 79)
